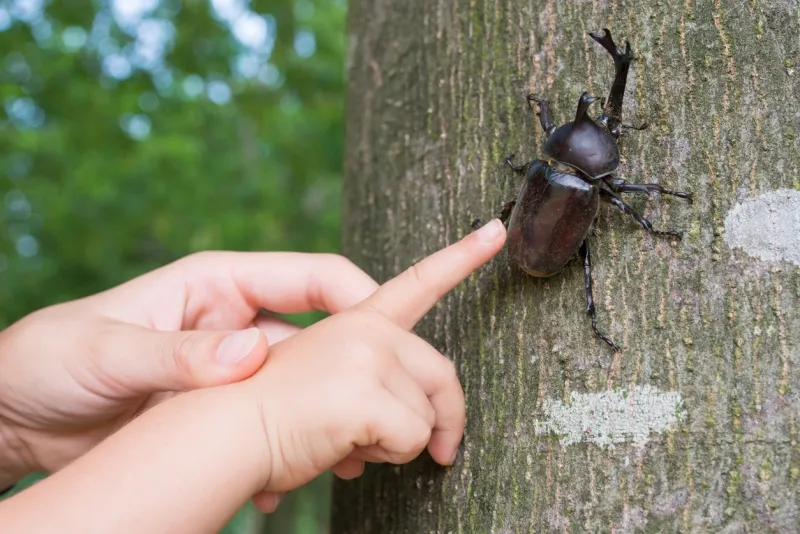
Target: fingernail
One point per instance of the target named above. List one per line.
(455, 456)
(490, 231)
(236, 346)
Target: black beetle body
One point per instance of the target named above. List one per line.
(549, 221)
(553, 214)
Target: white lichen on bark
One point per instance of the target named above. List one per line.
(767, 226)
(610, 417)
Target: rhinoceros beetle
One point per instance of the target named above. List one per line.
(549, 221)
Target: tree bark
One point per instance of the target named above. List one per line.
(693, 427)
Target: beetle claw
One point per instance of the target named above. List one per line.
(645, 125)
(628, 51)
(534, 98)
(601, 335)
(607, 42)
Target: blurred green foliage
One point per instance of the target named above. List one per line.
(134, 132)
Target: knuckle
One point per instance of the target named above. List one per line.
(416, 274)
(177, 352)
(370, 353)
(339, 259)
(198, 261)
(338, 262)
(95, 342)
(197, 257)
(335, 266)
(375, 319)
(362, 356)
(445, 373)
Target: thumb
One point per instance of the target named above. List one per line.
(142, 360)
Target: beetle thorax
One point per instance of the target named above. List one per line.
(584, 145)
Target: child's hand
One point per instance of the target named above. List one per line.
(355, 387)
(74, 373)
(359, 386)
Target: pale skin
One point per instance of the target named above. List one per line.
(358, 386)
(72, 374)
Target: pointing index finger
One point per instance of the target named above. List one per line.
(406, 298)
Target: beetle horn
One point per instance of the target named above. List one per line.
(583, 106)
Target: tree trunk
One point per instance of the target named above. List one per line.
(693, 427)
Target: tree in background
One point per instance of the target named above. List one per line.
(694, 426)
(134, 132)
(137, 132)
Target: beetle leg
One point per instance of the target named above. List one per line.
(617, 202)
(612, 111)
(545, 115)
(618, 185)
(587, 282)
(519, 169)
(505, 214)
(645, 125)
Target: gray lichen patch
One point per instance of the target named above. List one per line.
(767, 227)
(609, 417)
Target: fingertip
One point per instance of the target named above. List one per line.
(267, 502)
(503, 231)
(257, 355)
(349, 468)
(490, 231)
(237, 346)
(242, 353)
(493, 232)
(366, 286)
(487, 242)
(443, 446)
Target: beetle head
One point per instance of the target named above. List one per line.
(584, 144)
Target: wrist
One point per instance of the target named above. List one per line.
(252, 456)
(215, 433)
(187, 464)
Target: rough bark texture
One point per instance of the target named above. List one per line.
(703, 435)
